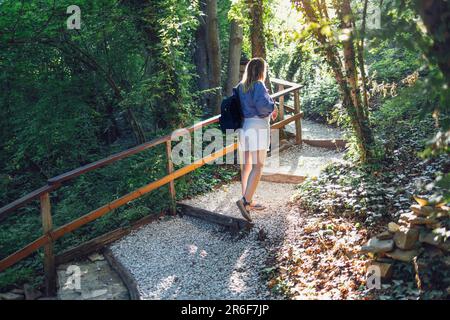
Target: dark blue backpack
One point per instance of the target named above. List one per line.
(230, 112)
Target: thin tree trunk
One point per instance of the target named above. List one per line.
(257, 36)
(360, 47)
(234, 56)
(344, 10)
(213, 46)
(201, 57)
(436, 17)
(346, 81)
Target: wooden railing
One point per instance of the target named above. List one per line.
(51, 234)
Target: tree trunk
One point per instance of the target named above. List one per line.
(201, 57)
(234, 56)
(436, 17)
(257, 36)
(213, 46)
(347, 81)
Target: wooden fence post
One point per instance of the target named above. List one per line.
(298, 122)
(282, 134)
(281, 103)
(170, 170)
(49, 258)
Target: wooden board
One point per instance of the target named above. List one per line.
(91, 246)
(235, 224)
(123, 273)
(282, 178)
(6, 210)
(328, 144)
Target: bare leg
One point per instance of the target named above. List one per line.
(246, 168)
(258, 159)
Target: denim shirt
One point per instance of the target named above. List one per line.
(256, 102)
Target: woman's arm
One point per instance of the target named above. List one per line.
(264, 103)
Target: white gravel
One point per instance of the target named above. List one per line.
(303, 160)
(187, 258)
(313, 130)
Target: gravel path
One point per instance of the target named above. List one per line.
(187, 258)
(303, 160)
(313, 130)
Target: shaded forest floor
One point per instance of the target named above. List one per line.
(344, 207)
(305, 245)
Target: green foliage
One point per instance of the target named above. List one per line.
(320, 98)
(66, 101)
(391, 64)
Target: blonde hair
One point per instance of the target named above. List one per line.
(254, 71)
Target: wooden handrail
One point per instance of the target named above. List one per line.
(286, 91)
(97, 213)
(50, 235)
(124, 154)
(55, 182)
(4, 211)
(284, 82)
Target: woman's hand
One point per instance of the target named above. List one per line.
(275, 114)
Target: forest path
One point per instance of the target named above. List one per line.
(189, 258)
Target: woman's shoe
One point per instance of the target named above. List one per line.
(243, 205)
(256, 206)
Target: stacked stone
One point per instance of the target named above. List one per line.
(414, 232)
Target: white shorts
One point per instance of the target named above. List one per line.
(255, 134)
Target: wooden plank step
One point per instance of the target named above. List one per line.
(235, 224)
(282, 175)
(282, 178)
(328, 144)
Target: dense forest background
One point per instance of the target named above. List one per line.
(139, 69)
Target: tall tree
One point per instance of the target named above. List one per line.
(257, 35)
(316, 14)
(234, 55)
(214, 58)
(435, 15)
(201, 56)
(257, 38)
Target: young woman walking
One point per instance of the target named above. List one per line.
(254, 137)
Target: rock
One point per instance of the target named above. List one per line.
(261, 235)
(17, 291)
(385, 235)
(403, 255)
(424, 211)
(430, 238)
(31, 293)
(393, 227)
(11, 296)
(385, 269)
(406, 238)
(96, 257)
(375, 245)
(415, 220)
